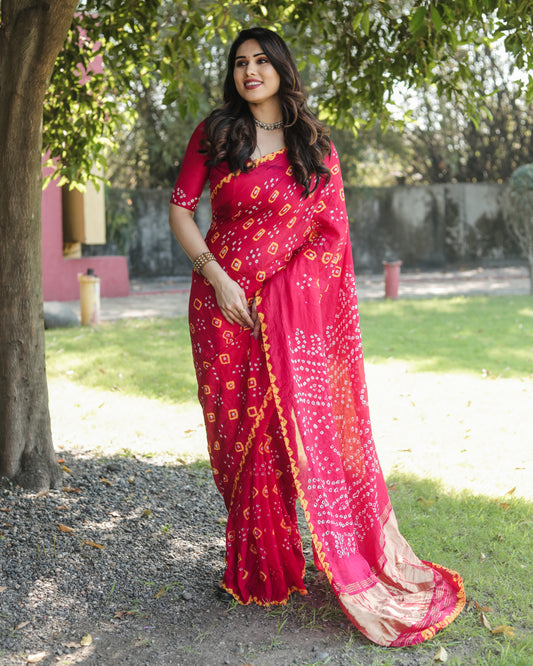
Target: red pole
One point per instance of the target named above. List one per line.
(392, 278)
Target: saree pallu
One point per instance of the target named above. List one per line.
(287, 416)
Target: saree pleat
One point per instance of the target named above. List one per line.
(264, 560)
(287, 416)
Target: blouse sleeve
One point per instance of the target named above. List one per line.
(193, 173)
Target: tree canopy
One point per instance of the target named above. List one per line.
(359, 51)
(355, 51)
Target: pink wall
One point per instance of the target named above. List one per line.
(60, 276)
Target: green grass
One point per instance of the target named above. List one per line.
(152, 357)
(482, 335)
(144, 357)
(489, 541)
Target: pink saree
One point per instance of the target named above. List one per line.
(287, 416)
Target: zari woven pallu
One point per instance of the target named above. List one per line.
(287, 415)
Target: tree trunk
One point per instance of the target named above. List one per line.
(31, 34)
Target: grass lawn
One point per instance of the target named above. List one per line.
(483, 335)
(488, 539)
(152, 358)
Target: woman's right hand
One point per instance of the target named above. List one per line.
(231, 298)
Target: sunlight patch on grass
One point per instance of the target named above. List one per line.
(482, 335)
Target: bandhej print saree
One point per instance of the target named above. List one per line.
(287, 416)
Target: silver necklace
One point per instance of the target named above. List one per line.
(269, 126)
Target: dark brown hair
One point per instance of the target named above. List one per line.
(230, 130)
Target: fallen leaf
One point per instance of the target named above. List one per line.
(161, 592)
(66, 469)
(485, 609)
(122, 614)
(93, 544)
(131, 479)
(405, 450)
(35, 658)
(21, 625)
(503, 505)
(504, 629)
(101, 370)
(65, 528)
(86, 640)
(68, 489)
(60, 461)
(510, 492)
(485, 622)
(42, 493)
(62, 507)
(108, 483)
(482, 556)
(2, 589)
(425, 501)
(147, 513)
(72, 644)
(5, 510)
(441, 655)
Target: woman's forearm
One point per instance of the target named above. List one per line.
(229, 294)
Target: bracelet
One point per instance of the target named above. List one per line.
(201, 260)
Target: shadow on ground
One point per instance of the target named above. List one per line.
(126, 557)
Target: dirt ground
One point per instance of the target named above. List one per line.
(466, 431)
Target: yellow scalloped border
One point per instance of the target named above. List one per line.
(294, 463)
(234, 174)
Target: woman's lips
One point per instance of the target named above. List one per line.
(252, 84)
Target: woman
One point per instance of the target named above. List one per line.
(277, 352)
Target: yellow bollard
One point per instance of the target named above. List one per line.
(89, 298)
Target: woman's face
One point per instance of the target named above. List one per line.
(255, 78)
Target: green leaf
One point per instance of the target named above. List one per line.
(357, 20)
(365, 23)
(435, 17)
(417, 20)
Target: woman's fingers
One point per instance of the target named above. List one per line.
(237, 314)
(244, 316)
(231, 300)
(257, 322)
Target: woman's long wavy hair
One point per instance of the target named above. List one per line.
(231, 132)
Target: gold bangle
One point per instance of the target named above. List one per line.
(201, 260)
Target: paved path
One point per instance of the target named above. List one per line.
(168, 297)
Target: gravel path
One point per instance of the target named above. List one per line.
(120, 565)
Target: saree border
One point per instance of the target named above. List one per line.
(319, 550)
(255, 163)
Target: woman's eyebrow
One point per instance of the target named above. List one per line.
(254, 55)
